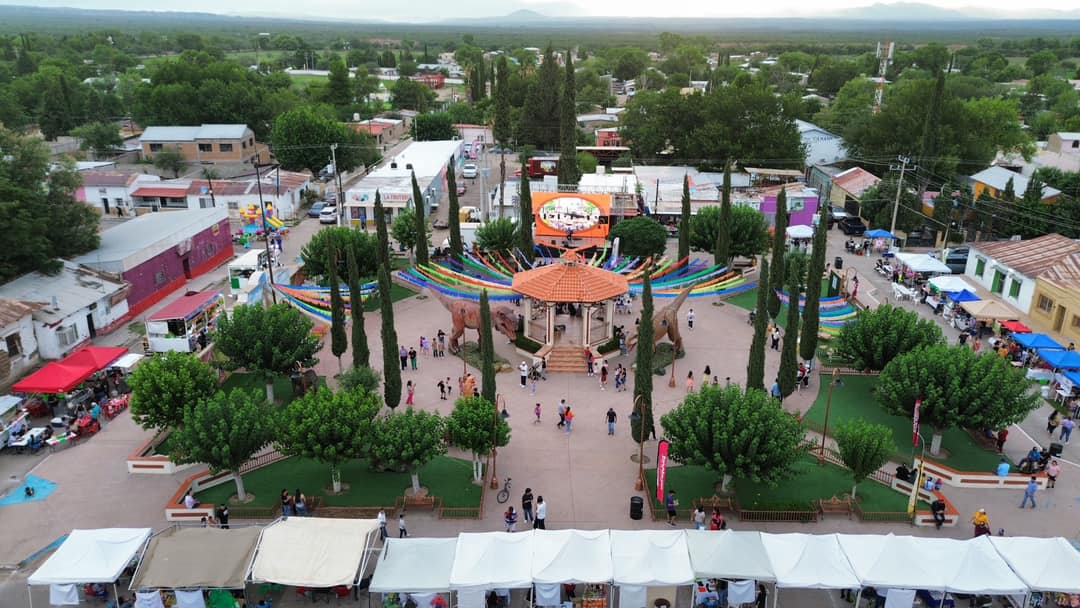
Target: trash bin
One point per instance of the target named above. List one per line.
(1056, 449)
(838, 263)
(1045, 390)
(637, 505)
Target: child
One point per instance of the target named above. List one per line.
(402, 532)
(536, 410)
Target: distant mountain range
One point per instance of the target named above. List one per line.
(919, 11)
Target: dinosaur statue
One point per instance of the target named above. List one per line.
(665, 323)
(466, 314)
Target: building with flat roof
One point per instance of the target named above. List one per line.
(206, 143)
(157, 253)
(393, 180)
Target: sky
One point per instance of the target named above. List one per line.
(433, 10)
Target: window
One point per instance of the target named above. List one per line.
(243, 145)
(980, 266)
(13, 343)
(999, 282)
(206, 147)
(251, 142)
(159, 278)
(796, 204)
(1014, 288)
(155, 147)
(210, 250)
(205, 203)
(225, 147)
(1076, 143)
(67, 336)
(1075, 322)
(234, 205)
(1045, 304)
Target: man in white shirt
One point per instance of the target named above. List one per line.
(189, 501)
(381, 517)
(541, 513)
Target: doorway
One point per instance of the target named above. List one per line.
(1059, 318)
(187, 268)
(105, 203)
(90, 325)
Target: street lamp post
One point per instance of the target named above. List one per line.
(828, 405)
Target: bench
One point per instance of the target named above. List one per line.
(834, 505)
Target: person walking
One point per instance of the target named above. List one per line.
(672, 504)
(536, 410)
(1067, 426)
(981, 522)
(403, 354)
(690, 382)
(611, 417)
(569, 420)
(562, 414)
(1052, 422)
(1002, 435)
(776, 392)
(527, 505)
(603, 374)
(523, 373)
(541, 514)
(412, 358)
(223, 515)
(774, 335)
(1029, 492)
(402, 532)
(410, 391)
(381, 518)
(442, 390)
(690, 316)
(699, 518)
(1052, 471)
(510, 518)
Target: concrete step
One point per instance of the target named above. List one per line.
(567, 359)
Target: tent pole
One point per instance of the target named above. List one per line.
(116, 594)
(776, 597)
(30, 595)
(858, 597)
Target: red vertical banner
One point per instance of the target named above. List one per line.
(915, 424)
(661, 468)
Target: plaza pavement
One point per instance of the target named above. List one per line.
(586, 477)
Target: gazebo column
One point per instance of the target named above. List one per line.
(609, 318)
(550, 339)
(528, 318)
(586, 316)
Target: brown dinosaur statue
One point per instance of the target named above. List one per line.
(466, 314)
(665, 323)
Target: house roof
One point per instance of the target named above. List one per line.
(221, 187)
(186, 306)
(94, 179)
(855, 181)
(74, 287)
(1032, 257)
(567, 281)
(160, 191)
(286, 181)
(998, 177)
(205, 131)
(806, 127)
(1066, 272)
(1068, 135)
(133, 242)
(13, 310)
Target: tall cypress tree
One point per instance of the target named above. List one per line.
(525, 217)
(569, 172)
(540, 116)
(643, 371)
(360, 352)
(789, 364)
(391, 369)
(755, 365)
(454, 212)
(420, 208)
(487, 350)
(684, 219)
(779, 247)
(931, 136)
(722, 254)
(812, 310)
(338, 340)
(502, 130)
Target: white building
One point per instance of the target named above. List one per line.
(822, 147)
(1009, 268)
(76, 305)
(393, 181)
(18, 346)
(110, 193)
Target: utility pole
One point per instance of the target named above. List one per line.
(340, 204)
(899, 188)
(266, 230)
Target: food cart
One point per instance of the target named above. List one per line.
(185, 325)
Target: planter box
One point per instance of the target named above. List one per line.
(143, 461)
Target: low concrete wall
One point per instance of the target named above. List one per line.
(143, 461)
(962, 479)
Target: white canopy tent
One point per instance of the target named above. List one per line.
(487, 560)
(981, 570)
(900, 562)
(800, 231)
(951, 284)
(313, 551)
(651, 558)
(1044, 564)
(921, 262)
(729, 554)
(91, 556)
(809, 561)
(414, 565)
(571, 556)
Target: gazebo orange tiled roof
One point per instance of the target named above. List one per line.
(566, 281)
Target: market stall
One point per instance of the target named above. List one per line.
(808, 561)
(398, 578)
(572, 557)
(1048, 566)
(1016, 327)
(729, 554)
(1037, 341)
(12, 417)
(1060, 359)
(948, 283)
(313, 553)
(990, 310)
(185, 325)
(92, 557)
(63, 376)
(491, 561)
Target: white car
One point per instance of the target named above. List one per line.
(469, 170)
(328, 215)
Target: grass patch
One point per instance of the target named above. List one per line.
(397, 293)
(283, 392)
(472, 355)
(855, 400)
(448, 478)
(688, 481)
(167, 445)
(663, 356)
(138, 328)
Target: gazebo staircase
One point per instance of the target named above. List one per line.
(567, 359)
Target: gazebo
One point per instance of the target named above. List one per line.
(568, 281)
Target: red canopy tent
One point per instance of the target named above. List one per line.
(63, 376)
(1016, 327)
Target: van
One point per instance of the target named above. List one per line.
(469, 171)
(956, 259)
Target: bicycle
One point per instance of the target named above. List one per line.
(504, 493)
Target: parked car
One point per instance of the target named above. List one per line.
(956, 259)
(852, 225)
(328, 215)
(469, 170)
(461, 189)
(440, 224)
(836, 214)
(316, 208)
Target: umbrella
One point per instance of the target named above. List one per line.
(878, 233)
(1038, 341)
(963, 296)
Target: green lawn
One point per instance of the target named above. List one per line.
(283, 391)
(397, 292)
(448, 478)
(854, 399)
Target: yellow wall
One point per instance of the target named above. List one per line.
(995, 193)
(1066, 299)
(243, 150)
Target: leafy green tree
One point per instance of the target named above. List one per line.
(1041, 63)
(525, 218)
(360, 377)
(267, 341)
(878, 201)
(641, 237)
(503, 129)
(879, 335)
(98, 137)
(569, 173)
(472, 426)
(407, 441)
(164, 387)
(811, 321)
(958, 388)
(338, 90)
(457, 248)
(423, 229)
(391, 371)
(541, 113)
(789, 351)
(864, 448)
(404, 230)
(586, 163)
(755, 365)
(779, 247)
(487, 351)
(499, 235)
(362, 245)
(1009, 193)
(434, 127)
(741, 435)
(360, 351)
(931, 137)
(329, 427)
(684, 219)
(645, 425)
(338, 340)
(722, 254)
(406, 94)
(170, 159)
(224, 432)
(302, 139)
(748, 231)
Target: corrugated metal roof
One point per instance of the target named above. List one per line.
(13, 310)
(129, 244)
(74, 287)
(221, 187)
(998, 177)
(206, 131)
(94, 179)
(1066, 272)
(1032, 257)
(855, 181)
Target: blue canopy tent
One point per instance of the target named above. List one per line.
(1061, 359)
(962, 296)
(1073, 377)
(1037, 341)
(878, 233)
